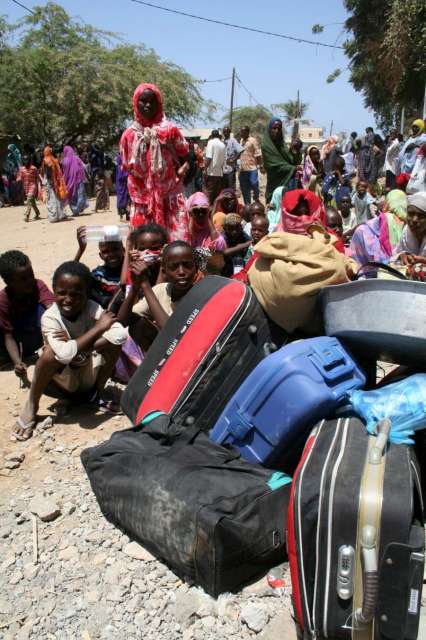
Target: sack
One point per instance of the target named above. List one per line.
(213, 518)
(288, 274)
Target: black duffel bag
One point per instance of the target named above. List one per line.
(215, 519)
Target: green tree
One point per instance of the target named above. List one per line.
(292, 110)
(256, 118)
(63, 81)
(387, 55)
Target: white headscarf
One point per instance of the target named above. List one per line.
(418, 200)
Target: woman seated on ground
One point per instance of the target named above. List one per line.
(226, 202)
(303, 213)
(411, 248)
(179, 267)
(377, 239)
(81, 345)
(300, 209)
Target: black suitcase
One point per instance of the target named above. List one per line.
(212, 517)
(213, 340)
(355, 535)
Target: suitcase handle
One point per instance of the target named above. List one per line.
(383, 430)
(370, 577)
(332, 362)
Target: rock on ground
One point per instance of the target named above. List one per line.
(45, 508)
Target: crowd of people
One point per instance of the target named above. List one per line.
(366, 196)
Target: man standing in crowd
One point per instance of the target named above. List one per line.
(233, 152)
(251, 161)
(214, 162)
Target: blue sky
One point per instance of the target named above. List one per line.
(272, 69)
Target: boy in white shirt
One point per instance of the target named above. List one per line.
(81, 345)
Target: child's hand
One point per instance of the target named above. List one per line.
(106, 321)
(61, 335)
(21, 370)
(407, 259)
(138, 272)
(81, 238)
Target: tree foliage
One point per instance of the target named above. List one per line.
(291, 110)
(64, 80)
(254, 117)
(387, 55)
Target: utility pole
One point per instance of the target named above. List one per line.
(402, 120)
(296, 123)
(331, 127)
(232, 98)
(424, 105)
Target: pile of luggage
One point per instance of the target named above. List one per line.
(244, 454)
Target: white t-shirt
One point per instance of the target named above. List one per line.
(216, 151)
(392, 154)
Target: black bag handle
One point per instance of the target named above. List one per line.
(384, 267)
(179, 435)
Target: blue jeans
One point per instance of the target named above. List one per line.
(249, 182)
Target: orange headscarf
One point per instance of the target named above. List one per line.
(58, 181)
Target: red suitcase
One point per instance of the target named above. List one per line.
(213, 340)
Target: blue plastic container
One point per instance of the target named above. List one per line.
(274, 410)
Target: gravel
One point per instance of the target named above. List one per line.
(92, 583)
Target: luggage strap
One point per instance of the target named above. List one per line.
(383, 267)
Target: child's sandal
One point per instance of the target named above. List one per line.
(26, 430)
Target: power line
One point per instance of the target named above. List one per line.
(24, 7)
(237, 26)
(219, 80)
(259, 104)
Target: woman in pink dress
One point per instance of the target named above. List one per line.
(154, 154)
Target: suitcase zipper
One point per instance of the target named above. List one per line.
(240, 311)
(299, 530)
(321, 497)
(330, 523)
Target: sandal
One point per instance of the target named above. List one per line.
(27, 430)
(109, 406)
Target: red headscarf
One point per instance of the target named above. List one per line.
(160, 112)
(300, 224)
(402, 180)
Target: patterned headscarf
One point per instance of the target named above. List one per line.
(160, 111)
(300, 224)
(146, 131)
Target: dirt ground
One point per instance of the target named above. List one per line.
(47, 245)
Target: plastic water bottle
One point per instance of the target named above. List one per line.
(238, 264)
(107, 233)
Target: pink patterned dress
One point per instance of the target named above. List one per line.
(151, 152)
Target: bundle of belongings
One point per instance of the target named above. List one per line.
(250, 446)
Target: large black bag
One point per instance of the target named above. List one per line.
(214, 339)
(213, 518)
